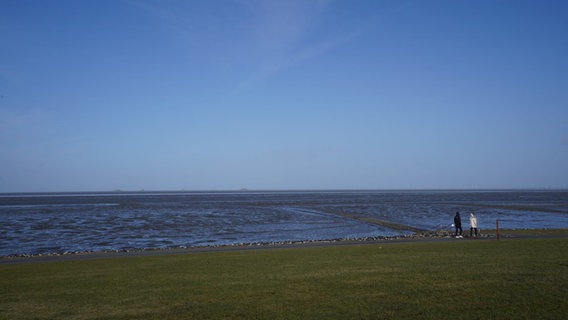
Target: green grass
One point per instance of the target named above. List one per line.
(467, 279)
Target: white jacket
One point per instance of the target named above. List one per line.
(472, 220)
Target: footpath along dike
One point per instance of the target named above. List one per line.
(422, 236)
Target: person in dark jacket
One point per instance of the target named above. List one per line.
(458, 224)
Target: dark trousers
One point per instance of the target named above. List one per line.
(458, 227)
(471, 232)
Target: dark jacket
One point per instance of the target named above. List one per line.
(457, 220)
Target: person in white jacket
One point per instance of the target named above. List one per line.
(472, 224)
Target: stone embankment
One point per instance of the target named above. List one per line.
(437, 234)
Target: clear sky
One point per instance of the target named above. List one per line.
(223, 95)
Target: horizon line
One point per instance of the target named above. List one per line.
(245, 190)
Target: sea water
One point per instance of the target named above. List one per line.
(78, 222)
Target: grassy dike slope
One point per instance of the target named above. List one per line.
(459, 279)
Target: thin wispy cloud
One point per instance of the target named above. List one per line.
(271, 65)
(269, 37)
(277, 25)
(285, 33)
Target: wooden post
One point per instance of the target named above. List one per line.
(497, 225)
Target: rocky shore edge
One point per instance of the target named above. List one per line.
(436, 234)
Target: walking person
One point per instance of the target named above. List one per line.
(472, 224)
(458, 225)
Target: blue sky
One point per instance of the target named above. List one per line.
(222, 95)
